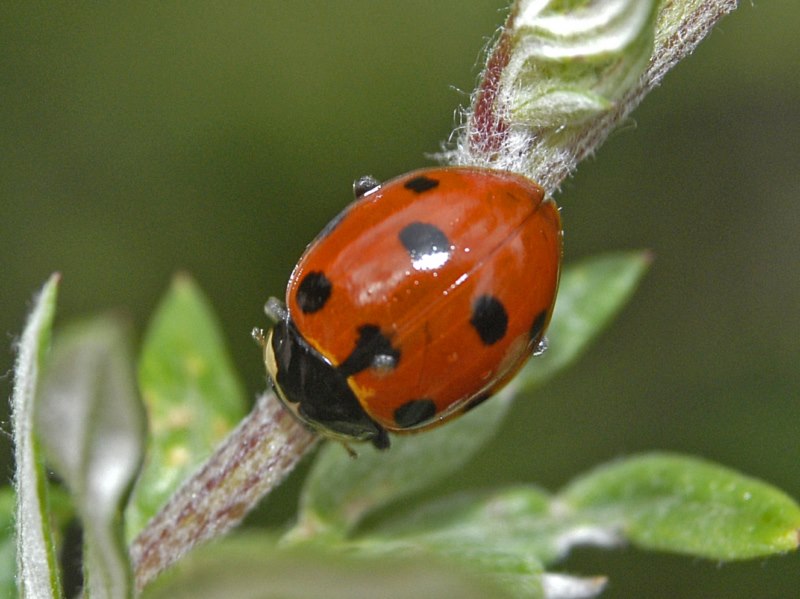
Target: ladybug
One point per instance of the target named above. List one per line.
(416, 303)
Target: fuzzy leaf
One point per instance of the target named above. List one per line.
(686, 505)
(8, 550)
(91, 425)
(483, 530)
(511, 534)
(339, 491)
(192, 394)
(657, 501)
(60, 511)
(516, 520)
(570, 61)
(246, 567)
(556, 70)
(37, 572)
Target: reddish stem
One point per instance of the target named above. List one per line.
(252, 461)
(488, 127)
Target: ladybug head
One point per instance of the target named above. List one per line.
(310, 386)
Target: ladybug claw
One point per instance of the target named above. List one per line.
(259, 336)
(350, 451)
(364, 185)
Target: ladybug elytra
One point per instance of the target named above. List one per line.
(419, 301)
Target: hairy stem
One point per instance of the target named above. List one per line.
(548, 156)
(253, 460)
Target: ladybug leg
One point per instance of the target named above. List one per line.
(381, 440)
(350, 451)
(260, 337)
(364, 185)
(276, 310)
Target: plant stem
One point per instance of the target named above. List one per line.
(551, 156)
(253, 460)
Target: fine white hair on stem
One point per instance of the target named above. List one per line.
(253, 460)
(543, 129)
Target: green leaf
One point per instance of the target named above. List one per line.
(246, 567)
(686, 505)
(59, 507)
(656, 501)
(91, 425)
(511, 534)
(192, 394)
(8, 550)
(37, 571)
(676, 18)
(340, 491)
(570, 61)
(516, 520)
(590, 295)
(557, 69)
(497, 533)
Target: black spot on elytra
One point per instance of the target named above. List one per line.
(477, 400)
(426, 244)
(414, 412)
(537, 328)
(364, 184)
(373, 350)
(421, 184)
(489, 318)
(313, 292)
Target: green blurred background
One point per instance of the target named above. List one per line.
(218, 138)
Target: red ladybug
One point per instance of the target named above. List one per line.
(416, 303)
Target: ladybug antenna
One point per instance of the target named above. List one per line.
(276, 310)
